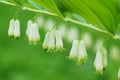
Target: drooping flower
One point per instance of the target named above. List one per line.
(59, 42)
(119, 74)
(82, 53)
(14, 28)
(98, 62)
(51, 42)
(28, 27)
(46, 40)
(74, 50)
(30, 33)
(11, 28)
(33, 33)
(17, 29)
(104, 60)
(36, 37)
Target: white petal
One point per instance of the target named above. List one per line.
(82, 52)
(30, 33)
(63, 29)
(51, 43)
(104, 60)
(59, 42)
(11, 28)
(36, 35)
(74, 50)
(45, 43)
(17, 29)
(98, 63)
(28, 27)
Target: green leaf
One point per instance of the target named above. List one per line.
(49, 5)
(18, 2)
(100, 13)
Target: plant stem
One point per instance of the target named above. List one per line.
(66, 19)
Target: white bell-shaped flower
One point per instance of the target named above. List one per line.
(59, 42)
(82, 53)
(14, 28)
(17, 29)
(33, 34)
(119, 74)
(98, 63)
(87, 39)
(30, 33)
(28, 27)
(46, 40)
(51, 42)
(104, 60)
(36, 37)
(11, 28)
(74, 50)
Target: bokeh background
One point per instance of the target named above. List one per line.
(21, 61)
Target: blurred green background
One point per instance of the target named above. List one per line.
(21, 61)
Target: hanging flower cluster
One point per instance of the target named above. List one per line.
(100, 62)
(78, 52)
(53, 41)
(32, 32)
(14, 28)
(53, 38)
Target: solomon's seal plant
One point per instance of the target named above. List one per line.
(102, 17)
